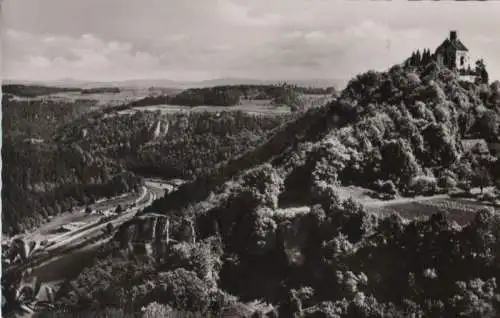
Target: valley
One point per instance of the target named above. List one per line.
(256, 200)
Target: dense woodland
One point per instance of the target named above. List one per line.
(283, 94)
(42, 178)
(34, 90)
(397, 132)
(101, 90)
(177, 145)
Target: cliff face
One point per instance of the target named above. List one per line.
(153, 230)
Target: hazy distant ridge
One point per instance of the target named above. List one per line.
(144, 83)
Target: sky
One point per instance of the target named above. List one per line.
(192, 40)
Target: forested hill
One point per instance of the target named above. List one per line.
(224, 242)
(403, 126)
(34, 90)
(171, 145)
(232, 95)
(42, 178)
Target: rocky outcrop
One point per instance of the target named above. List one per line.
(150, 231)
(159, 129)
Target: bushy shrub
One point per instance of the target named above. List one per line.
(447, 180)
(423, 185)
(464, 185)
(488, 197)
(387, 189)
(183, 289)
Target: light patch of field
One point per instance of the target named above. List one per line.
(292, 211)
(160, 187)
(126, 95)
(459, 210)
(315, 100)
(358, 194)
(253, 109)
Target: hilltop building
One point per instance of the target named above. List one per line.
(453, 54)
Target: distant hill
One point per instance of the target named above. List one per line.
(339, 84)
(145, 83)
(34, 90)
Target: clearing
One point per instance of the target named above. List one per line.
(460, 210)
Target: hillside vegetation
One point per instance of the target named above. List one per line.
(283, 94)
(228, 247)
(400, 127)
(42, 178)
(176, 145)
(34, 90)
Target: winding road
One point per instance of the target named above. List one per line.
(80, 239)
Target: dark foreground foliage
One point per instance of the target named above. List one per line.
(336, 261)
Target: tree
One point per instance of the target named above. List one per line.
(398, 162)
(426, 57)
(183, 289)
(481, 175)
(109, 228)
(119, 209)
(481, 73)
(20, 251)
(487, 125)
(20, 298)
(418, 58)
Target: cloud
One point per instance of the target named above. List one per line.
(188, 39)
(85, 57)
(241, 15)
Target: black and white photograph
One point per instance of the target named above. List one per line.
(250, 159)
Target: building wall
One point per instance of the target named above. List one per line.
(467, 78)
(440, 58)
(462, 60)
(447, 57)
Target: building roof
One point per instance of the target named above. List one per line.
(494, 145)
(479, 145)
(455, 44)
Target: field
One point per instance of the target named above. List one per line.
(257, 108)
(126, 95)
(263, 107)
(460, 210)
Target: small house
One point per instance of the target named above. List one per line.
(453, 54)
(476, 146)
